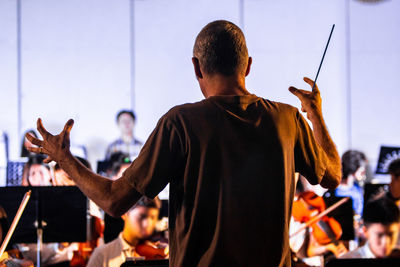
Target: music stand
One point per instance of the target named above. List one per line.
(146, 263)
(371, 190)
(343, 214)
(386, 262)
(54, 214)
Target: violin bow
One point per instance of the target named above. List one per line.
(323, 56)
(319, 216)
(15, 221)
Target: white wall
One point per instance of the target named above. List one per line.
(78, 62)
(8, 71)
(375, 76)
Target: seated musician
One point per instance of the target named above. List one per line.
(11, 258)
(304, 245)
(140, 222)
(394, 188)
(36, 173)
(381, 227)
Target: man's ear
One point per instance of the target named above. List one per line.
(365, 230)
(196, 65)
(250, 60)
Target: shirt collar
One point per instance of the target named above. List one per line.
(367, 252)
(124, 245)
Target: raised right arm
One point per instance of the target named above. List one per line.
(311, 103)
(114, 197)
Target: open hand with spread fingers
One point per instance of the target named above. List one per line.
(310, 100)
(56, 147)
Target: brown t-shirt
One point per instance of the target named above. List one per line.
(230, 162)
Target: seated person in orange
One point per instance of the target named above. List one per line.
(140, 222)
(381, 227)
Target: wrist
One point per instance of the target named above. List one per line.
(65, 158)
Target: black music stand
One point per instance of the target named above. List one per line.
(146, 263)
(343, 214)
(53, 214)
(387, 262)
(372, 190)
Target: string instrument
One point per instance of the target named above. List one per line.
(310, 209)
(152, 250)
(85, 249)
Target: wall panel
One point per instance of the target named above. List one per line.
(76, 64)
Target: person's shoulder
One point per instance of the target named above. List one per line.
(104, 248)
(283, 109)
(116, 142)
(355, 254)
(183, 110)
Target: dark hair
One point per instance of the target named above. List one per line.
(25, 152)
(394, 166)
(299, 186)
(148, 203)
(351, 161)
(125, 111)
(81, 160)
(221, 48)
(116, 160)
(381, 210)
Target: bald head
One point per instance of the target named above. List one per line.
(221, 48)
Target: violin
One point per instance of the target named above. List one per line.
(153, 250)
(15, 256)
(85, 249)
(308, 208)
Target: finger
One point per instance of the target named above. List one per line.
(33, 139)
(37, 150)
(41, 129)
(68, 127)
(298, 92)
(48, 160)
(311, 83)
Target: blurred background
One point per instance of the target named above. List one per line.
(88, 59)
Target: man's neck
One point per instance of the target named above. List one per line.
(130, 239)
(218, 84)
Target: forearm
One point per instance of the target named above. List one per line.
(114, 197)
(332, 175)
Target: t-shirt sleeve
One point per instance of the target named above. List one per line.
(158, 161)
(310, 159)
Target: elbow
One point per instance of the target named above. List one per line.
(121, 198)
(331, 181)
(113, 208)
